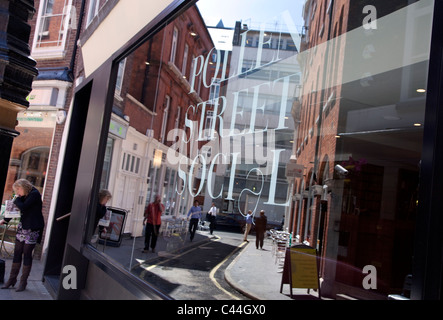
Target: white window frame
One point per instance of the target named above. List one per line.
(92, 10)
(167, 104)
(174, 45)
(177, 119)
(40, 51)
(208, 124)
(120, 74)
(185, 60)
(214, 91)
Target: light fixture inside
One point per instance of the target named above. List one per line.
(417, 124)
(420, 90)
(393, 118)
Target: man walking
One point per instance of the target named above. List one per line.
(153, 222)
(196, 213)
(260, 229)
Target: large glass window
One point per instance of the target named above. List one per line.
(314, 114)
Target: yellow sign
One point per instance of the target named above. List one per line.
(304, 271)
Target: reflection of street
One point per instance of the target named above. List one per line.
(198, 272)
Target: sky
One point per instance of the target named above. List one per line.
(249, 11)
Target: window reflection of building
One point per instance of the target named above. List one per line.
(151, 89)
(368, 214)
(263, 90)
(360, 113)
(33, 166)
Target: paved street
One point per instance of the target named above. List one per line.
(197, 273)
(211, 267)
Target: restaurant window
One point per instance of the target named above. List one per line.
(185, 60)
(164, 126)
(121, 71)
(174, 45)
(270, 102)
(92, 10)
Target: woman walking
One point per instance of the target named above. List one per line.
(29, 231)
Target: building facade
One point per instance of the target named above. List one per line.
(360, 141)
(322, 112)
(17, 71)
(54, 29)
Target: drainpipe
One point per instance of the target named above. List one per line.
(77, 37)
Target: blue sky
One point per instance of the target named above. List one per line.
(249, 11)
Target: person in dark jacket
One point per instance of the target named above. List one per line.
(103, 197)
(29, 231)
(260, 229)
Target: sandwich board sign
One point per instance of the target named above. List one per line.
(114, 231)
(301, 269)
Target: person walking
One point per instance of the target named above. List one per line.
(29, 231)
(153, 223)
(260, 229)
(212, 217)
(195, 213)
(248, 225)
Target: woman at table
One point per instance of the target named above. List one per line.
(29, 231)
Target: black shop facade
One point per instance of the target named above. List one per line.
(324, 114)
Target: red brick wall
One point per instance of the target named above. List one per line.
(325, 69)
(28, 138)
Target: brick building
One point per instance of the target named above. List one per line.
(17, 71)
(108, 96)
(151, 99)
(36, 150)
(347, 204)
(57, 31)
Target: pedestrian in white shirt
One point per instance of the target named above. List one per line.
(212, 217)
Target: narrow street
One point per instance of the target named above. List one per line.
(198, 273)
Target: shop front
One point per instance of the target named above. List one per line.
(320, 113)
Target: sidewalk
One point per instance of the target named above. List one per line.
(253, 272)
(35, 290)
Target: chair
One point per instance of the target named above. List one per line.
(281, 243)
(181, 226)
(7, 238)
(165, 228)
(202, 226)
(273, 235)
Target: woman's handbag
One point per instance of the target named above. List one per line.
(11, 210)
